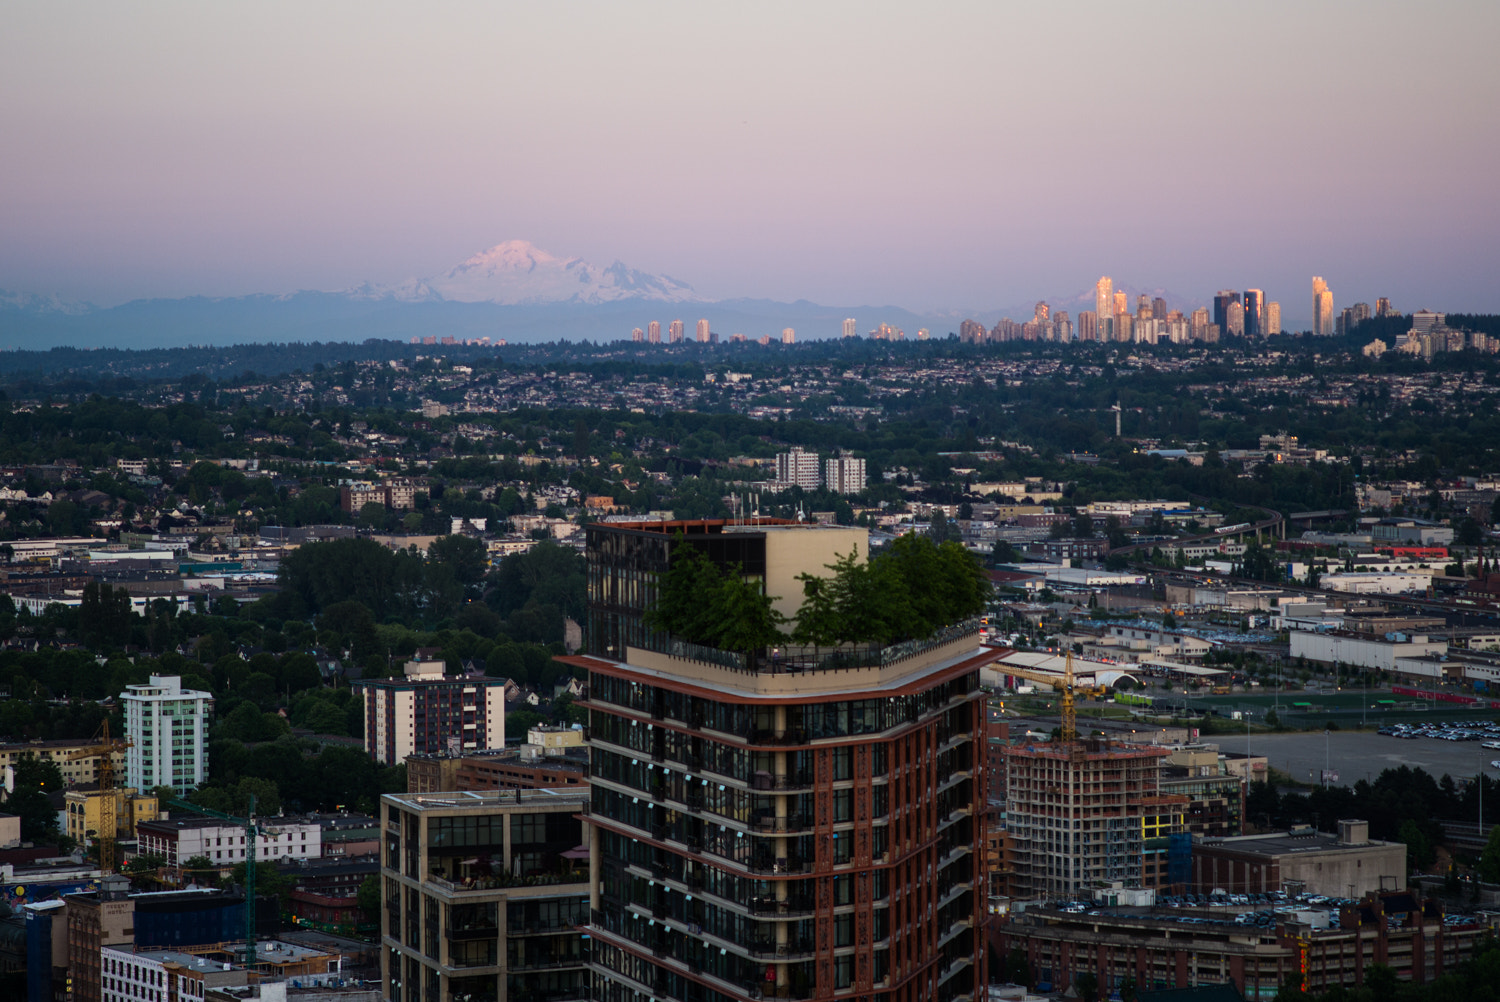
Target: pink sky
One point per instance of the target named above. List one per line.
(975, 156)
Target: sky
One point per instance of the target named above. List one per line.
(954, 156)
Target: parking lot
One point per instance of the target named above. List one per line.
(1357, 755)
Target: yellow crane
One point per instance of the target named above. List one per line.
(1066, 685)
(104, 749)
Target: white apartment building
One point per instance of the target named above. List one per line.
(223, 842)
(168, 730)
(161, 976)
(844, 475)
(797, 469)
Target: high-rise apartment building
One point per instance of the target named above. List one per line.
(653, 332)
(484, 896)
(778, 828)
(1104, 299)
(1143, 308)
(1062, 326)
(1222, 299)
(1322, 307)
(1087, 813)
(923, 334)
(797, 469)
(426, 711)
(674, 332)
(637, 335)
(844, 474)
(1159, 308)
(1122, 305)
(1198, 324)
(1234, 320)
(1383, 307)
(1124, 323)
(1255, 318)
(1273, 318)
(788, 336)
(168, 730)
(851, 327)
(1088, 326)
(703, 332)
(1041, 313)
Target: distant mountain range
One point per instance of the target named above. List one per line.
(513, 291)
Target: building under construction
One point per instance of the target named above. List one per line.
(1088, 814)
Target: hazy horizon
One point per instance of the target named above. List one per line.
(968, 157)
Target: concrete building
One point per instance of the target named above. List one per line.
(1322, 312)
(427, 711)
(1376, 582)
(1345, 865)
(162, 975)
(95, 921)
(168, 730)
(1215, 792)
(484, 896)
(83, 807)
(1166, 948)
(1088, 814)
(223, 843)
(795, 829)
(75, 772)
(703, 333)
(797, 469)
(1362, 650)
(844, 474)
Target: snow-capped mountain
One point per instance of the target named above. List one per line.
(517, 274)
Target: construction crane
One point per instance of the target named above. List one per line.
(104, 749)
(1064, 684)
(252, 831)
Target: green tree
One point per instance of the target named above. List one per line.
(35, 780)
(104, 615)
(1419, 851)
(1489, 859)
(368, 897)
(701, 603)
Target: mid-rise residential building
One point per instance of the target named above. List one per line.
(788, 335)
(397, 493)
(223, 843)
(163, 976)
(1321, 944)
(428, 711)
(1084, 814)
(168, 730)
(806, 827)
(484, 896)
(94, 921)
(83, 809)
(844, 474)
(797, 469)
(80, 771)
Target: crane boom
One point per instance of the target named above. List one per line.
(104, 750)
(1067, 685)
(252, 830)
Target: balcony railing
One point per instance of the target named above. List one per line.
(795, 659)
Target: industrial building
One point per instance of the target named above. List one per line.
(1347, 864)
(1361, 649)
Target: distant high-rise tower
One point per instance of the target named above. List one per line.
(674, 331)
(1235, 321)
(1104, 297)
(1273, 319)
(851, 327)
(1221, 306)
(1322, 307)
(703, 332)
(1088, 326)
(1159, 308)
(1255, 306)
(653, 332)
(637, 335)
(1383, 307)
(923, 334)
(788, 336)
(1062, 326)
(1122, 304)
(1041, 313)
(1198, 324)
(1143, 310)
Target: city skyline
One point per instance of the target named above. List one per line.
(160, 153)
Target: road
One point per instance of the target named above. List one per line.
(1357, 755)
